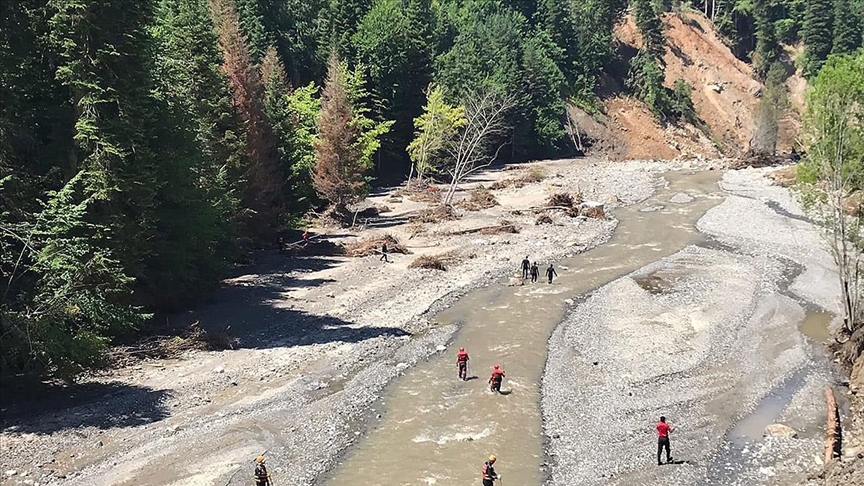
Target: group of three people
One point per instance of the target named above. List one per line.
(533, 270)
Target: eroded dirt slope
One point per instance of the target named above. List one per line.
(725, 95)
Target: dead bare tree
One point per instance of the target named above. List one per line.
(480, 141)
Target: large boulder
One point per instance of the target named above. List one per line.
(780, 430)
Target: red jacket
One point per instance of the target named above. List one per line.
(497, 375)
(462, 357)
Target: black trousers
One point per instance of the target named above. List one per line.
(663, 443)
(524, 273)
(533, 278)
(463, 370)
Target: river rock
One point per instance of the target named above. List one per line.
(219, 369)
(515, 282)
(780, 430)
(681, 198)
(11, 472)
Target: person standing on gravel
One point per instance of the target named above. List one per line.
(262, 477)
(550, 272)
(462, 363)
(496, 379)
(489, 475)
(535, 272)
(526, 264)
(384, 253)
(663, 430)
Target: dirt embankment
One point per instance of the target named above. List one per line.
(725, 96)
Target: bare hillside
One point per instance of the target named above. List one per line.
(725, 95)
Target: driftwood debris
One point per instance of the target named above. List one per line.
(833, 434)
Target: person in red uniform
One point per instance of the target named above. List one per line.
(489, 475)
(462, 363)
(496, 379)
(663, 430)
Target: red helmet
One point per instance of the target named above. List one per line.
(496, 366)
(461, 349)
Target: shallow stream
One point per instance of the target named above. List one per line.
(436, 429)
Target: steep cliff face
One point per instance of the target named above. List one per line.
(725, 95)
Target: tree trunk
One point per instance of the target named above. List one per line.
(833, 434)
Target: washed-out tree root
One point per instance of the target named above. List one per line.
(833, 434)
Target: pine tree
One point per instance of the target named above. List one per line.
(817, 33)
(650, 27)
(767, 47)
(347, 138)
(339, 175)
(394, 43)
(341, 18)
(287, 124)
(264, 177)
(847, 28)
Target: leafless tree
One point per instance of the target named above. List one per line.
(481, 139)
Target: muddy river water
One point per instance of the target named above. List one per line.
(436, 429)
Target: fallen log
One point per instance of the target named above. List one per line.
(833, 435)
(498, 228)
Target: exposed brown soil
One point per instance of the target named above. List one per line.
(725, 95)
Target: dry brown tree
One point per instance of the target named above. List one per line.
(339, 173)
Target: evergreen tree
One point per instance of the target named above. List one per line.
(817, 33)
(263, 177)
(346, 139)
(341, 18)
(394, 41)
(847, 28)
(648, 22)
(767, 47)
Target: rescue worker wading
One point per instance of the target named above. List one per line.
(462, 363)
(262, 477)
(489, 475)
(496, 379)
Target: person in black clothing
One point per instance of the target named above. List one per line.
(550, 272)
(281, 243)
(535, 272)
(262, 477)
(384, 253)
(526, 264)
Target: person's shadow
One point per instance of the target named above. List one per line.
(505, 392)
(679, 461)
(469, 378)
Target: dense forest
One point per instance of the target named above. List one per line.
(147, 144)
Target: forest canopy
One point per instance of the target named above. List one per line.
(147, 144)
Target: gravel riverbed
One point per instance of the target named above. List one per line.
(713, 344)
(320, 338)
